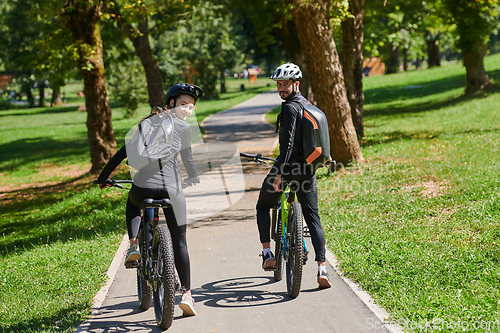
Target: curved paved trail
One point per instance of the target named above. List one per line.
(232, 292)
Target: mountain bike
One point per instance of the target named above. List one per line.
(287, 231)
(156, 275)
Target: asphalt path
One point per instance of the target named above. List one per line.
(232, 292)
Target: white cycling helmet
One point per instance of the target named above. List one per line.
(287, 71)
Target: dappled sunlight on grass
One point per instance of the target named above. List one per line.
(417, 225)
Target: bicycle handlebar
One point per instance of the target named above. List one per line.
(263, 159)
(258, 158)
(116, 183)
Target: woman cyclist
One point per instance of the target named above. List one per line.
(164, 181)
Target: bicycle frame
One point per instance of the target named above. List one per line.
(283, 206)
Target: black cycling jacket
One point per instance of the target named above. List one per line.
(289, 128)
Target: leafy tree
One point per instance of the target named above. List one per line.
(54, 60)
(395, 29)
(323, 64)
(204, 44)
(474, 21)
(260, 27)
(352, 38)
(125, 73)
(82, 18)
(306, 31)
(36, 48)
(404, 18)
(21, 31)
(274, 36)
(128, 83)
(138, 19)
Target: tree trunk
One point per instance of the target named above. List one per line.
(222, 82)
(405, 59)
(153, 74)
(306, 88)
(476, 75)
(433, 54)
(83, 18)
(143, 49)
(352, 37)
(474, 22)
(56, 92)
(393, 64)
(293, 48)
(29, 94)
(322, 60)
(41, 93)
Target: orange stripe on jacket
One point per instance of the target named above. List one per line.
(317, 152)
(308, 116)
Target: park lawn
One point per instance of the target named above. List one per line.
(417, 225)
(58, 233)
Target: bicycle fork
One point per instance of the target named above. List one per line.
(150, 219)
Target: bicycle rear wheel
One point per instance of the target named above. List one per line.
(278, 250)
(144, 292)
(164, 285)
(295, 249)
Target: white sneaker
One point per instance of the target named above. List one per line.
(133, 256)
(323, 280)
(268, 261)
(187, 306)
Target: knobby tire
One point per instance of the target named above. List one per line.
(294, 260)
(164, 289)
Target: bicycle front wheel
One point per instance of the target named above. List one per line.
(295, 250)
(164, 285)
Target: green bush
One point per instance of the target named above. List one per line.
(127, 82)
(4, 103)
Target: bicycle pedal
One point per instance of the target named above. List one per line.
(132, 264)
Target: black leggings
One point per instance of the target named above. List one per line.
(308, 197)
(176, 221)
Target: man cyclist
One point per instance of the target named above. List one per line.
(291, 166)
(164, 181)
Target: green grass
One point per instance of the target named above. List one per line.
(58, 233)
(273, 114)
(417, 226)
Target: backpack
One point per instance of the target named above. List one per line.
(150, 141)
(315, 136)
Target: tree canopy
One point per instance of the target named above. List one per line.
(137, 48)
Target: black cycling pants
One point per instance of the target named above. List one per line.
(307, 195)
(177, 228)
